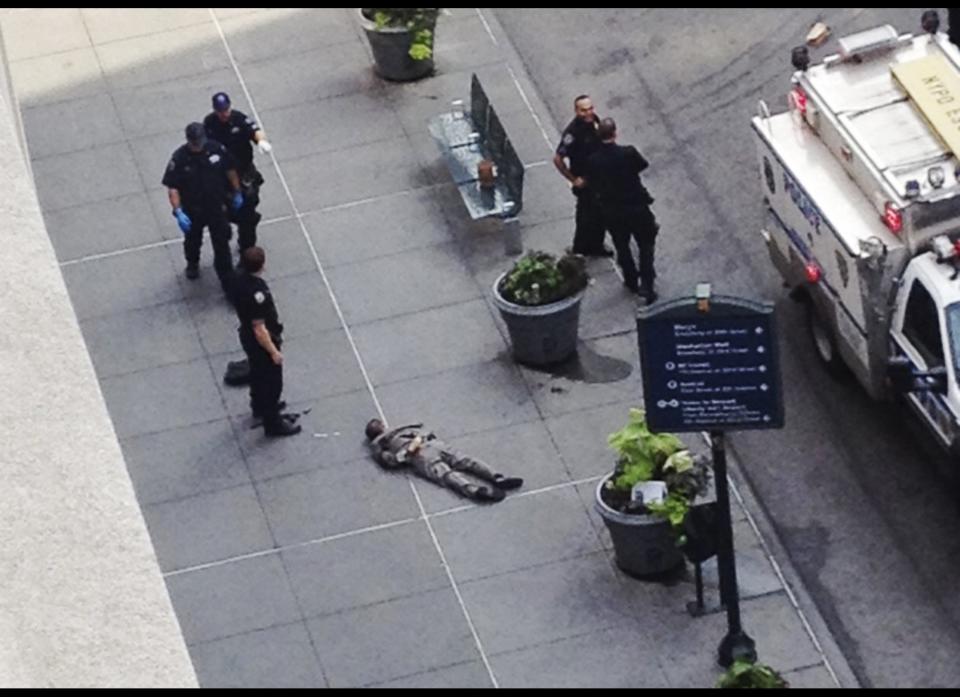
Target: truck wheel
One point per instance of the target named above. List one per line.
(824, 342)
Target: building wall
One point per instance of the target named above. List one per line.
(82, 600)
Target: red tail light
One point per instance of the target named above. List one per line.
(799, 99)
(893, 218)
(813, 272)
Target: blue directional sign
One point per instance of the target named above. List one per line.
(712, 370)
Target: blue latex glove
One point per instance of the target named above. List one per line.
(183, 220)
(237, 200)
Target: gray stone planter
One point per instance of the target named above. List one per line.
(644, 544)
(542, 334)
(391, 52)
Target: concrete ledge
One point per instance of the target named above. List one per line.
(82, 601)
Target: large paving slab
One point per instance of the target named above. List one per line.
(298, 562)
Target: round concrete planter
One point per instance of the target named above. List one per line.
(644, 544)
(391, 52)
(540, 334)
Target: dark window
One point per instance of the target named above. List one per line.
(921, 325)
(768, 175)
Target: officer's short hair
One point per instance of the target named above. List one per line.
(577, 99)
(607, 129)
(253, 259)
(374, 428)
(196, 134)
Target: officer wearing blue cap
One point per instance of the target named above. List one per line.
(202, 183)
(237, 131)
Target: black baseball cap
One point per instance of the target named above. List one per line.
(221, 101)
(196, 135)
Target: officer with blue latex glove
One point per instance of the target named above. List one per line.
(183, 220)
(202, 181)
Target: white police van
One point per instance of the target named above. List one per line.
(861, 181)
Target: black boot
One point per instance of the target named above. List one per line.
(279, 426)
(507, 483)
(649, 294)
(192, 271)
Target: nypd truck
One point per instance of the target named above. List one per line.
(861, 186)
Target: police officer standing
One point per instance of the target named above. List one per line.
(237, 131)
(614, 173)
(261, 336)
(201, 181)
(578, 142)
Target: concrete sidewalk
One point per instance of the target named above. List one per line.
(298, 562)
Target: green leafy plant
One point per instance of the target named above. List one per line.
(745, 674)
(644, 456)
(539, 278)
(419, 21)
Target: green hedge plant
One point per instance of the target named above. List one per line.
(419, 21)
(539, 278)
(642, 456)
(745, 674)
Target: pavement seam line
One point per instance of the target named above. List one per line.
(152, 245)
(353, 346)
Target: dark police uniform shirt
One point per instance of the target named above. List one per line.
(578, 142)
(201, 177)
(614, 174)
(236, 134)
(253, 301)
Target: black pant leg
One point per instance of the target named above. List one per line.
(646, 236)
(220, 240)
(589, 233)
(266, 382)
(620, 230)
(247, 227)
(193, 240)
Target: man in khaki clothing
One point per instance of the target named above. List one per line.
(436, 461)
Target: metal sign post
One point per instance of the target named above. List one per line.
(710, 363)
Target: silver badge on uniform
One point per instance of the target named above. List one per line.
(259, 297)
(567, 139)
(235, 129)
(172, 166)
(214, 159)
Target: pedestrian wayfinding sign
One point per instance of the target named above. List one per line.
(710, 364)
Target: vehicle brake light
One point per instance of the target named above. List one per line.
(798, 98)
(893, 218)
(813, 272)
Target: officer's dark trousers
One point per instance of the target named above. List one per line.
(638, 223)
(589, 233)
(266, 380)
(219, 228)
(247, 218)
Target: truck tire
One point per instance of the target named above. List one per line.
(825, 342)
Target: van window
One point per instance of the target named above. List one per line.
(921, 325)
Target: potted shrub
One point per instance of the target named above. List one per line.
(539, 299)
(401, 39)
(649, 536)
(744, 674)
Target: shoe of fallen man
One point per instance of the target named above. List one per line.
(507, 483)
(485, 493)
(192, 271)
